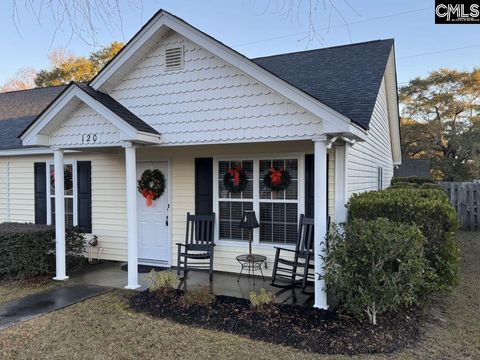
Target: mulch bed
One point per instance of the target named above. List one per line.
(305, 328)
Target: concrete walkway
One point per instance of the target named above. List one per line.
(29, 307)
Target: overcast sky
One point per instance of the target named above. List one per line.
(245, 25)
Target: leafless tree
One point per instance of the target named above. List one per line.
(22, 80)
(317, 15)
(78, 18)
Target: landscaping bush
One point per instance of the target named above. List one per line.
(411, 180)
(27, 250)
(201, 296)
(375, 266)
(161, 281)
(261, 300)
(431, 211)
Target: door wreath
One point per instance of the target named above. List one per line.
(277, 179)
(151, 185)
(235, 180)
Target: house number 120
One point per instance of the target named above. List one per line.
(89, 138)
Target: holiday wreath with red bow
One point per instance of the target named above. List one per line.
(151, 185)
(277, 179)
(235, 180)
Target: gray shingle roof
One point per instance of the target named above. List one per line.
(346, 78)
(18, 109)
(118, 109)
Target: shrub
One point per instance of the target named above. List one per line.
(201, 296)
(375, 266)
(402, 185)
(27, 250)
(261, 300)
(431, 211)
(411, 180)
(161, 281)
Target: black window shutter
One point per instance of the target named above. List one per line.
(203, 186)
(310, 185)
(40, 189)
(84, 186)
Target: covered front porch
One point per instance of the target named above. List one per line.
(109, 273)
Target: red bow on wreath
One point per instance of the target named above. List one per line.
(149, 195)
(276, 176)
(235, 173)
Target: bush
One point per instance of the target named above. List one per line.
(431, 211)
(261, 300)
(411, 180)
(161, 281)
(28, 250)
(201, 296)
(375, 266)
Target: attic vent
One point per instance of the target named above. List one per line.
(174, 58)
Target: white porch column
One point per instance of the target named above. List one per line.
(340, 183)
(60, 273)
(320, 218)
(131, 182)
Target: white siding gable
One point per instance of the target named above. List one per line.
(208, 101)
(83, 122)
(365, 157)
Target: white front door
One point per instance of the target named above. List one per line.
(153, 233)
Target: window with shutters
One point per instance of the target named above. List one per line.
(70, 184)
(277, 211)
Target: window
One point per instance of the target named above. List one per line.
(380, 178)
(70, 183)
(232, 205)
(277, 212)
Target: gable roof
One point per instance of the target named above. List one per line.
(163, 23)
(107, 102)
(118, 109)
(342, 81)
(19, 108)
(346, 78)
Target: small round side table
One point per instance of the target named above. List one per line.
(251, 263)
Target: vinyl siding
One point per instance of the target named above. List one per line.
(4, 190)
(108, 196)
(363, 158)
(183, 191)
(109, 221)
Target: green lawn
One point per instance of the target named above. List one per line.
(104, 328)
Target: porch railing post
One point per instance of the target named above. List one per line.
(60, 271)
(131, 184)
(320, 215)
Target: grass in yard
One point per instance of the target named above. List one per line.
(104, 328)
(11, 290)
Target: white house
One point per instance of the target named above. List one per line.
(178, 100)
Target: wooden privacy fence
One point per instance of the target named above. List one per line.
(465, 197)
